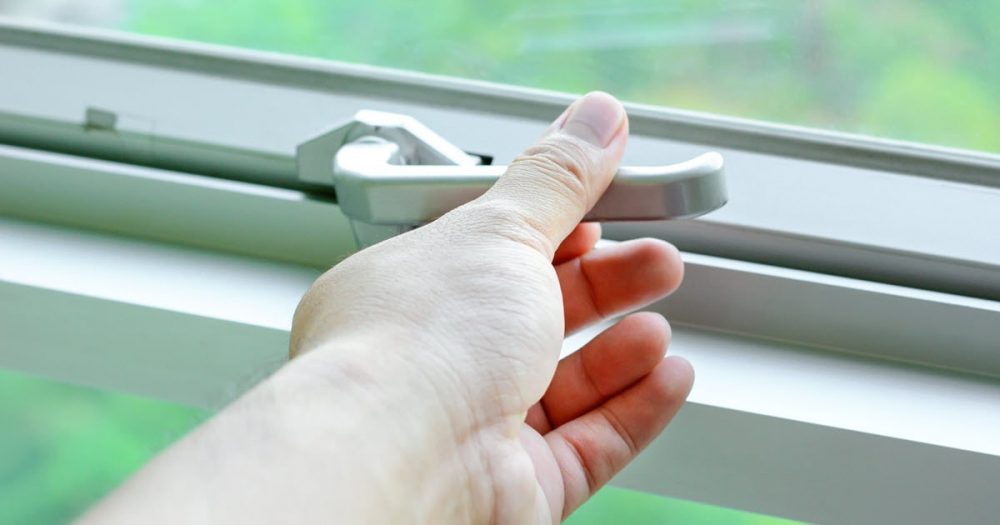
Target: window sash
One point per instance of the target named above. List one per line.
(845, 337)
(804, 199)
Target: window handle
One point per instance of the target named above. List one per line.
(392, 174)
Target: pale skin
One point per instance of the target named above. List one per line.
(425, 384)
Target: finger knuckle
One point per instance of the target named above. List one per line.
(562, 161)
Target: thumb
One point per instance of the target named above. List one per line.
(549, 188)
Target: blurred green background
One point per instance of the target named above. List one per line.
(63, 446)
(920, 70)
(908, 69)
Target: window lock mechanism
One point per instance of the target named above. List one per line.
(392, 174)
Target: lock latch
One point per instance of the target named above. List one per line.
(391, 174)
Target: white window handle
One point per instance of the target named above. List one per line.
(391, 174)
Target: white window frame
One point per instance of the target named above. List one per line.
(841, 311)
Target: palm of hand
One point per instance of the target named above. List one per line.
(548, 433)
(604, 403)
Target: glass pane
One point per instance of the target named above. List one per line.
(65, 446)
(615, 505)
(908, 69)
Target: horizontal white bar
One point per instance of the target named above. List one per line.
(220, 215)
(814, 473)
(147, 274)
(839, 314)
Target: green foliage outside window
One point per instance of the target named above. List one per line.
(905, 69)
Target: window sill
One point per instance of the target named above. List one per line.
(771, 427)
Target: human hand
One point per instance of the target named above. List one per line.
(452, 333)
(426, 386)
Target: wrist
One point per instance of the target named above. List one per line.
(393, 450)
